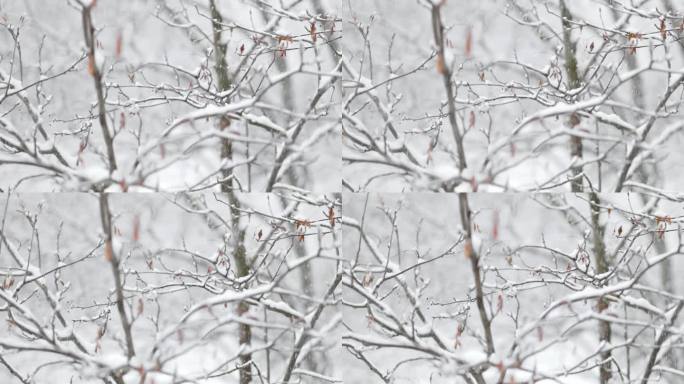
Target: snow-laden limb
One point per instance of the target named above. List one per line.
(227, 297)
(208, 111)
(583, 295)
(675, 196)
(560, 109)
(318, 376)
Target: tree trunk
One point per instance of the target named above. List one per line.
(601, 260)
(573, 83)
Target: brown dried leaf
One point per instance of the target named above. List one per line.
(302, 223)
(367, 279)
(136, 228)
(108, 252)
(633, 35)
(331, 216)
(9, 280)
(495, 225)
(468, 249)
(284, 38)
(469, 43)
(441, 67)
(91, 65)
(312, 32)
(119, 45)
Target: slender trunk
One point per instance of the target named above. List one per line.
(242, 269)
(474, 258)
(601, 260)
(223, 84)
(239, 252)
(89, 34)
(464, 208)
(573, 83)
(114, 261)
(444, 69)
(242, 266)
